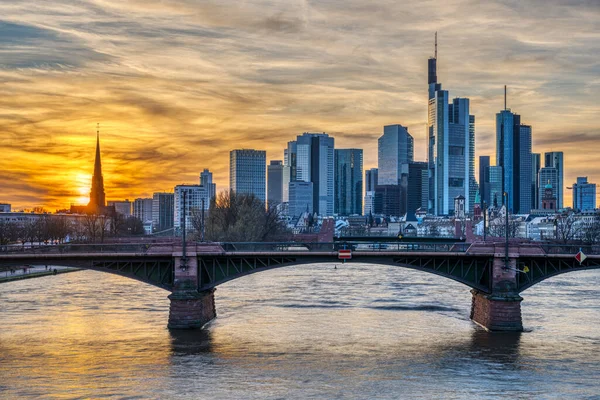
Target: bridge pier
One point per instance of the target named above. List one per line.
(501, 309)
(190, 309)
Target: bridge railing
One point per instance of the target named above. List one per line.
(354, 246)
(589, 249)
(69, 248)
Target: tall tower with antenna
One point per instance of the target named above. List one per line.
(97, 196)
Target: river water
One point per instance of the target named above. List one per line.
(305, 332)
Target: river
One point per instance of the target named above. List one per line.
(305, 332)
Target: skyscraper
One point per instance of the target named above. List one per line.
(451, 139)
(247, 172)
(484, 179)
(535, 177)
(274, 183)
(413, 183)
(206, 180)
(495, 185)
(300, 198)
(394, 148)
(371, 179)
(348, 181)
(195, 197)
(142, 209)
(513, 154)
(97, 196)
(311, 159)
(584, 195)
(554, 159)
(162, 211)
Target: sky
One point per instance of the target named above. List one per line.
(177, 84)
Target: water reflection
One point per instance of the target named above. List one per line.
(191, 342)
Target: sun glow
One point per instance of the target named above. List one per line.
(83, 184)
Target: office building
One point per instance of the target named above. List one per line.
(394, 148)
(162, 211)
(300, 198)
(206, 180)
(5, 208)
(555, 160)
(275, 183)
(371, 179)
(389, 201)
(142, 209)
(348, 181)
(495, 186)
(195, 196)
(513, 154)
(451, 139)
(484, 179)
(369, 204)
(247, 172)
(584, 195)
(414, 185)
(311, 159)
(123, 207)
(536, 161)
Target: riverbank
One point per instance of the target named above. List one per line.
(33, 272)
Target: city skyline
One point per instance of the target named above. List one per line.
(174, 91)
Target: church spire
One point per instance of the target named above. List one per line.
(97, 197)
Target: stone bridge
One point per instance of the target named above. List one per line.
(495, 275)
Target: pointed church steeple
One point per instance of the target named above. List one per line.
(97, 197)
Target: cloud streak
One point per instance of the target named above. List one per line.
(176, 85)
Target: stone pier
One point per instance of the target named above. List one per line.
(189, 308)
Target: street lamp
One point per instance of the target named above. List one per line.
(484, 219)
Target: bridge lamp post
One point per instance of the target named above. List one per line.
(183, 263)
(506, 261)
(484, 219)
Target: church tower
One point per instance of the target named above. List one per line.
(97, 197)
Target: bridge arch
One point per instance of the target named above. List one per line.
(541, 268)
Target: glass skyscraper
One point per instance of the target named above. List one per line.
(584, 195)
(394, 148)
(555, 159)
(535, 177)
(247, 172)
(348, 181)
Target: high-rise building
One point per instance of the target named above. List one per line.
(495, 186)
(142, 209)
(206, 180)
(311, 159)
(394, 148)
(4, 207)
(413, 183)
(162, 211)
(369, 204)
(484, 179)
(371, 179)
(548, 179)
(274, 183)
(513, 154)
(535, 178)
(300, 198)
(554, 159)
(247, 172)
(389, 201)
(451, 139)
(584, 195)
(97, 196)
(195, 197)
(348, 181)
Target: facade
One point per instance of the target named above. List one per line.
(274, 183)
(394, 148)
(311, 159)
(535, 178)
(495, 186)
(247, 173)
(584, 195)
(348, 181)
(555, 159)
(451, 142)
(142, 209)
(369, 206)
(389, 201)
(484, 179)
(414, 186)
(195, 197)
(513, 154)
(300, 198)
(548, 176)
(5, 208)
(371, 179)
(162, 211)
(548, 198)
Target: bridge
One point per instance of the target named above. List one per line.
(495, 272)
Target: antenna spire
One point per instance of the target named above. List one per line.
(435, 54)
(504, 97)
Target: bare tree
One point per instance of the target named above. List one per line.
(565, 226)
(591, 232)
(242, 218)
(9, 232)
(497, 227)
